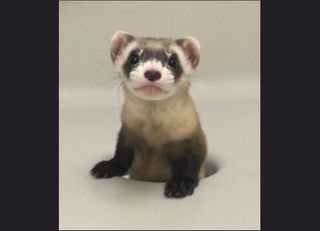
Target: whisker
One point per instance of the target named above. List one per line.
(136, 79)
(110, 83)
(198, 77)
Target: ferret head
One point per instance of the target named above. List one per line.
(154, 68)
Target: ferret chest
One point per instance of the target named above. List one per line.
(161, 122)
(154, 126)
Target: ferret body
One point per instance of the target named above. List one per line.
(161, 138)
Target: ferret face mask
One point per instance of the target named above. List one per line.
(154, 68)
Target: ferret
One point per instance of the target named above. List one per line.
(161, 138)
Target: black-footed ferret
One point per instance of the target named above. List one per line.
(161, 138)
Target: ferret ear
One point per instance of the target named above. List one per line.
(119, 41)
(191, 48)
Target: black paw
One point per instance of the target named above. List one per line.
(105, 169)
(179, 188)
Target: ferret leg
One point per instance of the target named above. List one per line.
(185, 170)
(119, 164)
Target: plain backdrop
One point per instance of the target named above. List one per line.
(226, 91)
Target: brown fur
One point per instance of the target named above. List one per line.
(161, 138)
(154, 125)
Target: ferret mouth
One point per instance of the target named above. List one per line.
(150, 90)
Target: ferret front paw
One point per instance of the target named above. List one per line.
(104, 169)
(179, 188)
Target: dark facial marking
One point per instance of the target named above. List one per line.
(134, 59)
(132, 62)
(149, 54)
(174, 66)
(161, 56)
(172, 62)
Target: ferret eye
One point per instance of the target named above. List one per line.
(133, 59)
(172, 62)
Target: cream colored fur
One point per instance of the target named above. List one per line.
(159, 122)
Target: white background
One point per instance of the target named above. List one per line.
(226, 91)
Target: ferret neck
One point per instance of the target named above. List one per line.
(177, 98)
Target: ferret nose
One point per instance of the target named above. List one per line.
(152, 75)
